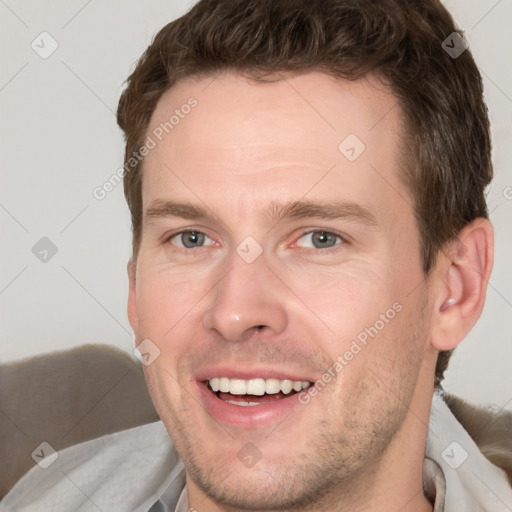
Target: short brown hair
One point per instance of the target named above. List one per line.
(447, 146)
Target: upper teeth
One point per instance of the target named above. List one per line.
(256, 386)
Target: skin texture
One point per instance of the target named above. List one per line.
(245, 149)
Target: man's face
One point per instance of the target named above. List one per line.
(270, 253)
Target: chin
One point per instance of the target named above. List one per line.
(265, 486)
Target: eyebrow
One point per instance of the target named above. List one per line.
(162, 209)
(276, 212)
(324, 210)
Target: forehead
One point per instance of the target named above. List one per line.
(316, 108)
(285, 133)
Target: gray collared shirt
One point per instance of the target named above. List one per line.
(138, 470)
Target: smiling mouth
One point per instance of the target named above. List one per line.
(254, 392)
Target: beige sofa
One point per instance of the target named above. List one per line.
(64, 398)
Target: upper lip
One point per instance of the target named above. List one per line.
(253, 372)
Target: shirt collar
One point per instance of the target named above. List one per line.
(434, 484)
(472, 482)
(174, 496)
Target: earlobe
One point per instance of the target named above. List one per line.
(464, 268)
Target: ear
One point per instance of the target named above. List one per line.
(133, 314)
(464, 268)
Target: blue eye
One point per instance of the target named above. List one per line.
(319, 240)
(190, 239)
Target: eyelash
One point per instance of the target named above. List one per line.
(315, 250)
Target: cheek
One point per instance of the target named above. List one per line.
(345, 300)
(165, 299)
(164, 390)
(360, 314)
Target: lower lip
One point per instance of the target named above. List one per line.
(250, 416)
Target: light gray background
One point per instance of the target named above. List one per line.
(59, 140)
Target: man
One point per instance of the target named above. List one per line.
(310, 242)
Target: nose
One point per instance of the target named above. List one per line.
(249, 298)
